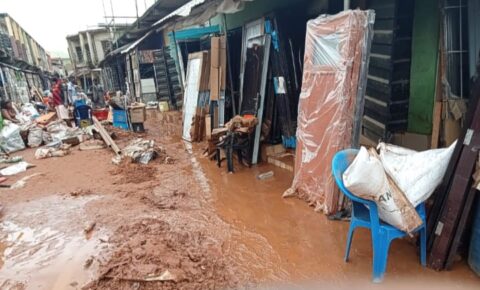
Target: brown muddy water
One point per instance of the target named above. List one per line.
(41, 244)
(192, 218)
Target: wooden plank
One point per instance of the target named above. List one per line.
(208, 127)
(202, 125)
(455, 202)
(215, 116)
(38, 95)
(45, 119)
(442, 190)
(105, 136)
(461, 228)
(438, 106)
(437, 119)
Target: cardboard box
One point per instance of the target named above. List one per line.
(451, 131)
(218, 66)
(215, 52)
(138, 113)
(214, 84)
(412, 141)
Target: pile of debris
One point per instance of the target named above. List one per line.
(143, 151)
(234, 137)
(237, 125)
(163, 257)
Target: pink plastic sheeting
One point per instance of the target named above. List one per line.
(334, 50)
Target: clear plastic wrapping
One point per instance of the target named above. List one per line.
(334, 53)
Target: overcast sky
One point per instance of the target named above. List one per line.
(50, 21)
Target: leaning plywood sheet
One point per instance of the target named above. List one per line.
(332, 65)
(192, 87)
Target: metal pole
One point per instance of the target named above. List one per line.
(346, 4)
(136, 9)
(104, 12)
(114, 26)
(460, 33)
(230, 77)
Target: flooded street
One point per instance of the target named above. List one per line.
(189, 225)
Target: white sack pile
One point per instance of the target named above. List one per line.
(398, 180)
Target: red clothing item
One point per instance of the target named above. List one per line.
(56, 94)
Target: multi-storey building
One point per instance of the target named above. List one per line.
(18, 45)
(88, 48)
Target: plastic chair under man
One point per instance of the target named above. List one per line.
(365, 214)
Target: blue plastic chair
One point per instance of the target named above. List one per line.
(83, 112)
(365, 214)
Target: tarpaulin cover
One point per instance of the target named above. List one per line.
(334, 50)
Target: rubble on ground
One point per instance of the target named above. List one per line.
(156, 255)
(143, 151)
(47, 152)
(134, 173)
(81, 192)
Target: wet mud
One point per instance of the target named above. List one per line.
(187, 225)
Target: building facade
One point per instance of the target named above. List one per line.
(88, 48)
(18, 45)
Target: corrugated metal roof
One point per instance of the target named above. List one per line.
(182, 11)
(135, 43)
(158, 10)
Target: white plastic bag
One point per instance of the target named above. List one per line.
(30, 111)
(10, 138)
(366, 178)
(14, 169)
(35, 137)
(58, 130)
(417, 174)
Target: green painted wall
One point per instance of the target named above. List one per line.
(424, 66)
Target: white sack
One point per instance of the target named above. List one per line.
(366, 178)
(29, 111)
(45, 152)
(417, 174)
(10, 138)
(14, 169)
(35, 137)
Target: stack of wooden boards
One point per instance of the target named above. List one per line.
(205, 87)
(453, 199)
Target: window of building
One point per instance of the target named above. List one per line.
(456, 47)
(78, 51)
(89, 55)
(106, 46)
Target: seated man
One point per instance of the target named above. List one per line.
(8, 113)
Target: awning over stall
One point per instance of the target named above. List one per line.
(195, 33)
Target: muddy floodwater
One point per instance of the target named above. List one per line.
(186, 225)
